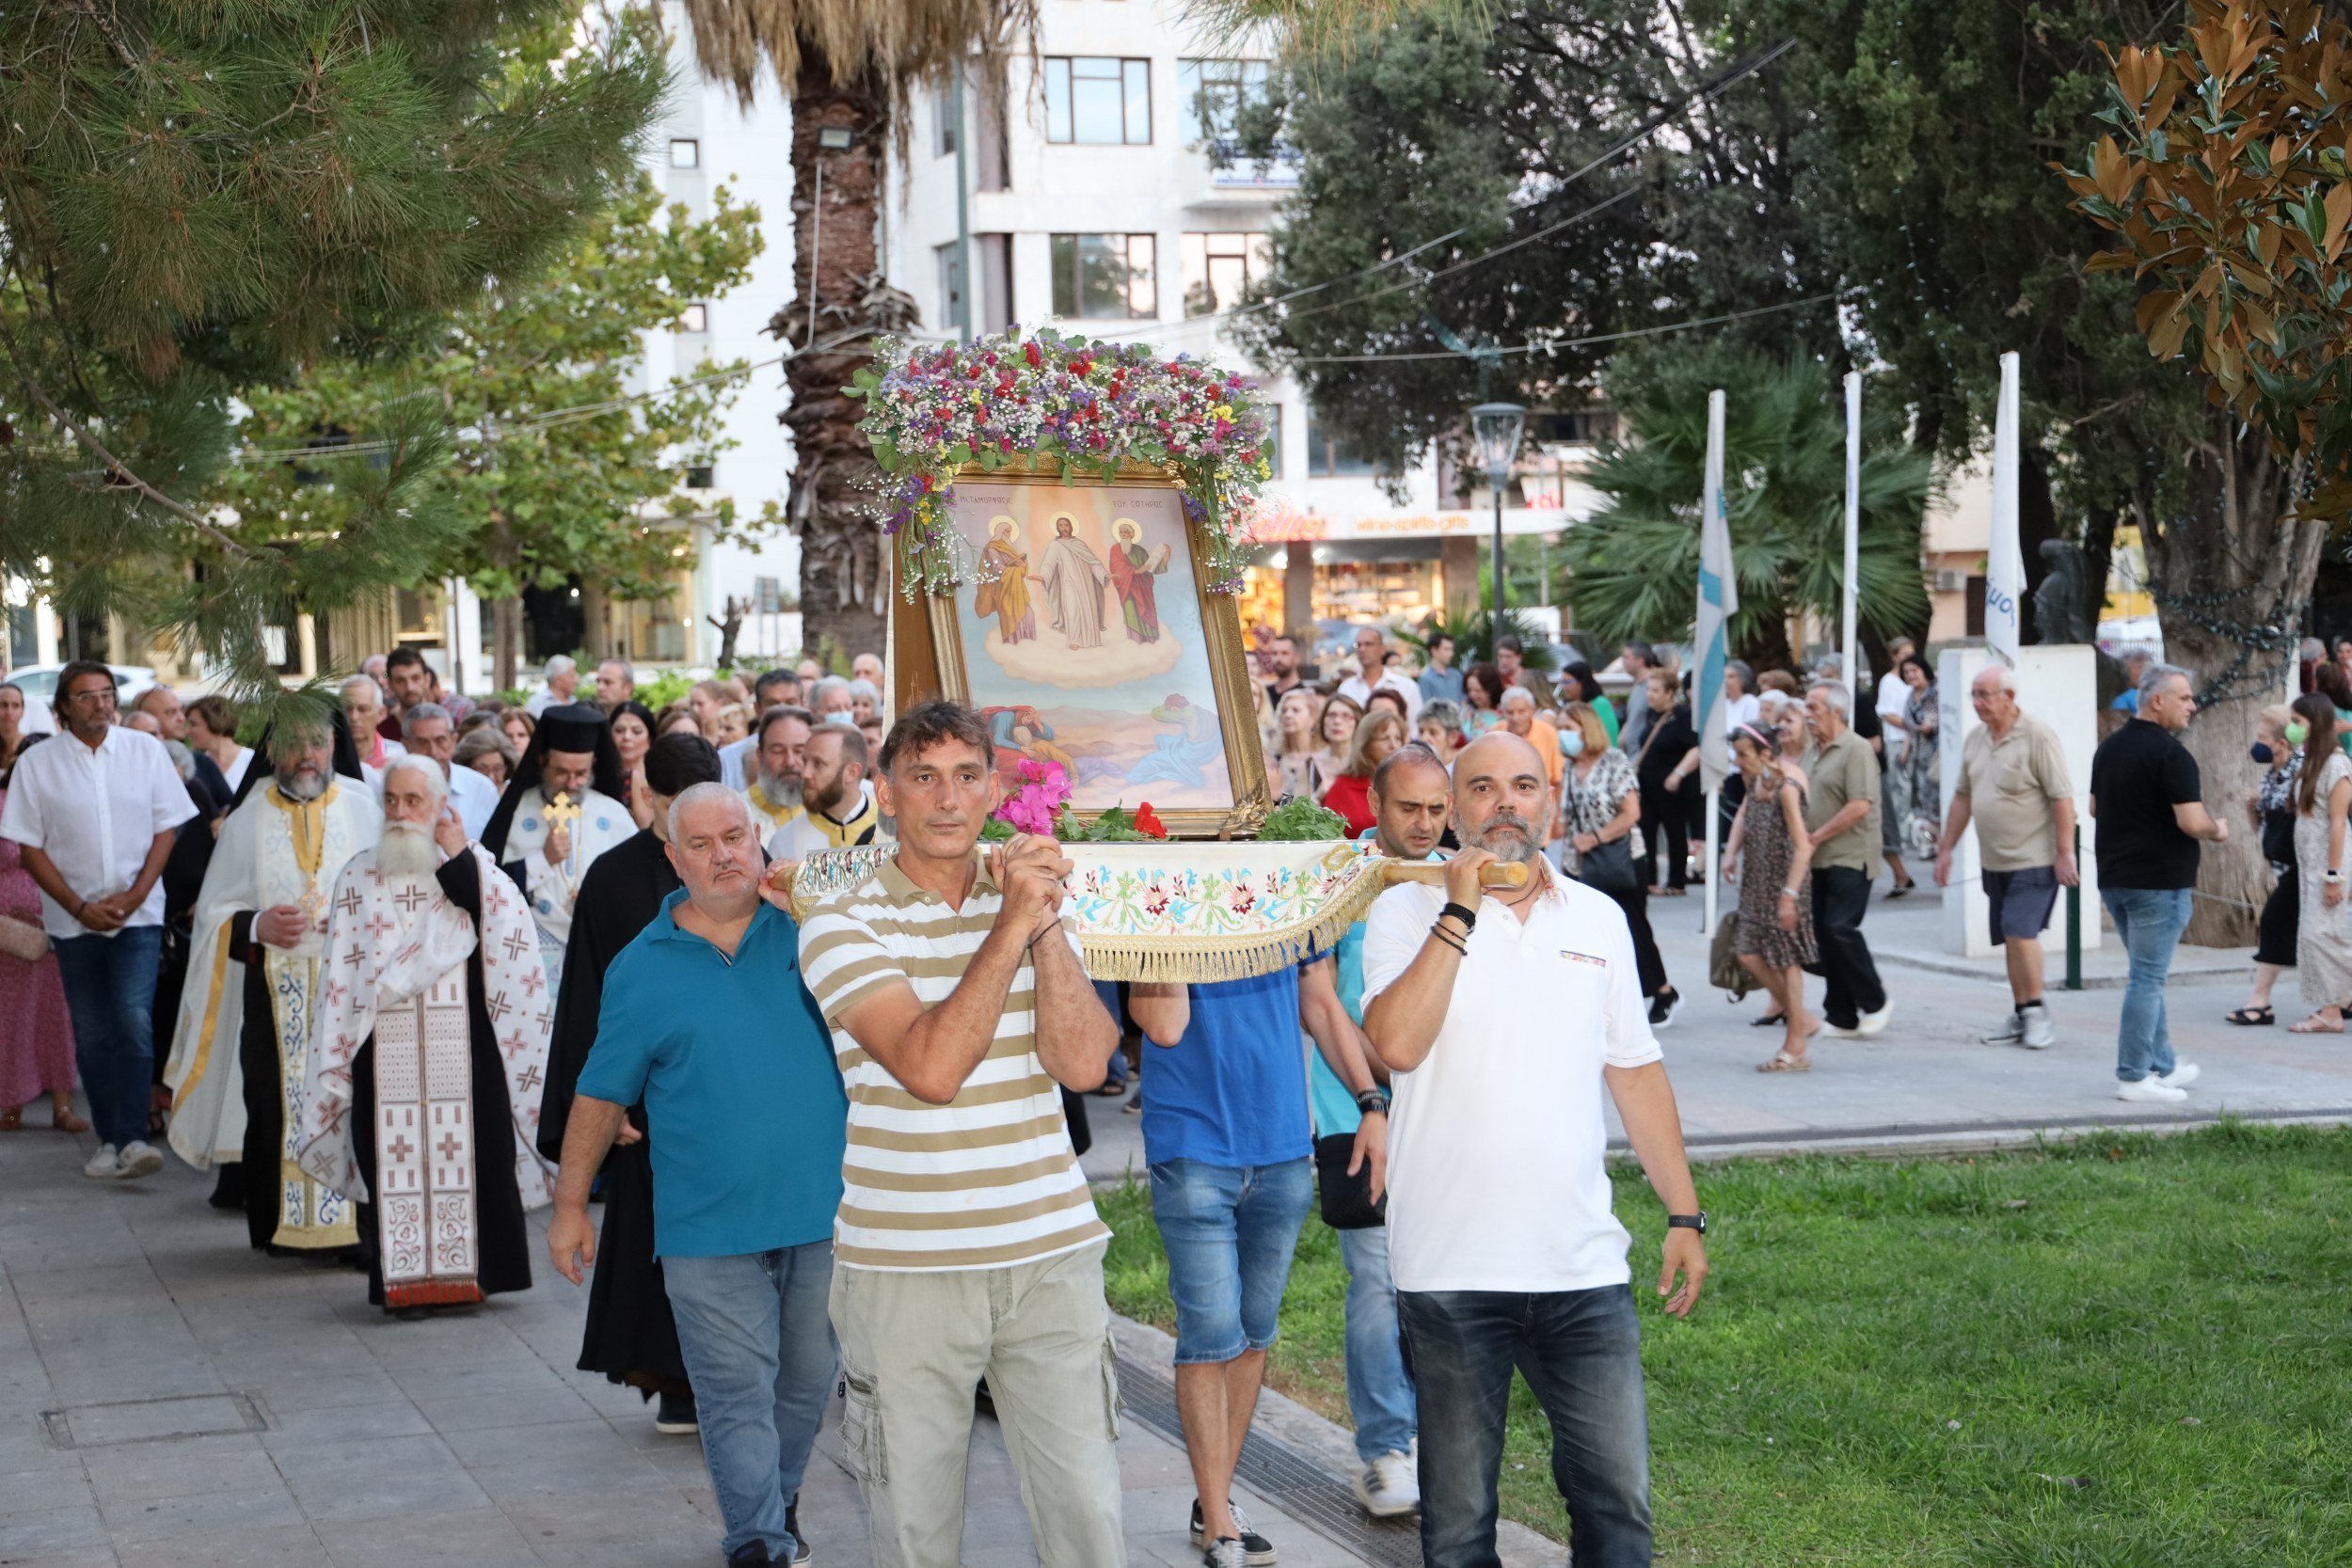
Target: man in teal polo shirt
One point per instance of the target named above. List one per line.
(1409, 802)
(705, 1019)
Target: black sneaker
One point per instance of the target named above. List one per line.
(750, 1554)
(1257, 1551)
(674, 1416)
(1664, 1007)
(802, 1552)
(1135, 1103)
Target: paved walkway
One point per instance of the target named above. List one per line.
(169, 1397)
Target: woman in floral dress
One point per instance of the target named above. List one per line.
(36, 1034)
(1775, 938)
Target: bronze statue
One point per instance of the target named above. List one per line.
(2059, 614)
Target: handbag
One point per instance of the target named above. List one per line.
(23, 939)
(1725, 970)
(1608, 868)
(1345, 1200)
(2278, 838)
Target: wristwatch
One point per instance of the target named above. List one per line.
(1687, 1222)
(1373, 1100)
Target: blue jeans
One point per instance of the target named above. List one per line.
(1379, 1394)
(1229, 1231)
(110, 990)
(758, 1347)
(2150, 920)
(1581, 1351)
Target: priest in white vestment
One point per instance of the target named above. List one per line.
(561, 809)
(242, 1042)
(430, 1057)
(1073, 577)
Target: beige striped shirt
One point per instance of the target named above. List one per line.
(988, 1178)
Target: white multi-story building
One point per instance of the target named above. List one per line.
(1087, 200)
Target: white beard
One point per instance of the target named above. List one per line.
(301, 786)
(407, 850)
(780, 790)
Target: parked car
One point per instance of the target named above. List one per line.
(39, 682)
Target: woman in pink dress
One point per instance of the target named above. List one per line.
(36, 1034)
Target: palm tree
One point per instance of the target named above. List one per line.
(1632, 568)
(852, 64)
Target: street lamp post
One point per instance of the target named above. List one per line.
(1496, 426)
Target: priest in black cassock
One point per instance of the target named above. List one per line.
(561, 809)
(631, 1338)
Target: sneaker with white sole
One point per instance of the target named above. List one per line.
(1225, 1553)
(105, 1166)
(1872, 1023)
(2009, 1033)
(2038, 1034)
(1841, 1031)
(1257, 1551)
(2183, 1075)
(139, 1158)
(2150, 1088)
(1389, 1486)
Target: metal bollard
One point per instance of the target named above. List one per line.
(2074, 919)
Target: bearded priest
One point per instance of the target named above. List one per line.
(242, 1038)
(561, 810)
(422, 1102)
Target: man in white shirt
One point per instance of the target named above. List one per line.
(430, 732)
(563, 681)
(1371, 653)
(1502, 1014)
(95, 811)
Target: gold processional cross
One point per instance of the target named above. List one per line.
(562, 813)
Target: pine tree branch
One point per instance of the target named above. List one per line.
(114, 40)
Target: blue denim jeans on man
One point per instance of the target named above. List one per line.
(1229, 1232)
(110, 993)
(2150, 922)
(1581, 1351)
(757, 1340)
(1379, 1391)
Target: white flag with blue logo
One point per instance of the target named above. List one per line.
(1719, 600)
(2004, 561)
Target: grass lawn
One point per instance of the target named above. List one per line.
(2124, 1351)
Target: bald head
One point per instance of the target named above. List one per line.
(1502, 797)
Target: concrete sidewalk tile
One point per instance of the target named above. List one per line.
(480, 1538)
(419, 1495)
(87, 1556)
(521, 1375)
(292, 1430)
(658, 1516)
(583, 1442)
(43, 1491)
(246, 1508)
(282, 1394)
(361, 1462)
(280, 1546)
(544, 1407)
(179, 1469)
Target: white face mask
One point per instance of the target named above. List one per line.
(1571, 743)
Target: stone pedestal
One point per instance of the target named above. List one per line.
(2058, 685)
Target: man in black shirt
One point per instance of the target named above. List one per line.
(2146, 794)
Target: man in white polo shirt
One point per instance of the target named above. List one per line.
(1502, 1018)
(967, 1243)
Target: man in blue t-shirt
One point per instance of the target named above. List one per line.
(706, 1020)
(1410, 802)
(1227, 1134)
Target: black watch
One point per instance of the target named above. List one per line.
(1468, 918)
(1687, 1222)
(1373, 1101)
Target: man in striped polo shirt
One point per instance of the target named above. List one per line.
(967, 1243)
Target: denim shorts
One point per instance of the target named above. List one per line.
(1229, 1231)
(2019, 902)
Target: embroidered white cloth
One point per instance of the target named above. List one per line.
(603, 823)
(388, 942)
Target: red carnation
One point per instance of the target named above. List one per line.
(1030, 352)
(1148, 821)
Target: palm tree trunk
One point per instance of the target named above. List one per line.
(834, 472)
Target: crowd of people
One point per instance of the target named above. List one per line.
(402, 971)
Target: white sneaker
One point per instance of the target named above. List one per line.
(2010, 1033)
(2182, 1074)
(1389, 1486)
(1839, 1032)
(1870, 1023)
(2150, 1088)
(140, 1159)
(105, 1166)
(2037, 1033)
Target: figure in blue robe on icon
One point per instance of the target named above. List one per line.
(1181, 758)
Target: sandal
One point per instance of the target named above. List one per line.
(1783, 1062)
(2317, 1024)
(64, 1120)
(2250, 1015)
(1770, 1020)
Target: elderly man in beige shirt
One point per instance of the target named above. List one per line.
(1841, 816)
(2013, 783)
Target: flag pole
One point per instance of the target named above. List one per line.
(1853, 523)
(1718, 601)
(2005, 560)
(1714, 826)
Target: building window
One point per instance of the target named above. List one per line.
(1328, 459)
(950, 282)
(1210, 95)
(944, 125)
(701, 476)
(1098, 101)
(1220, 268)
(1105, 276)
(995, 271)
(694, 318)
(685, 152)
